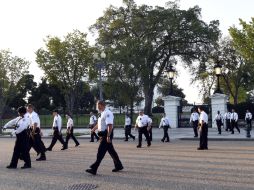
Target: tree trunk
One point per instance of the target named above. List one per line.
(132, 106)
(148, 100)
(70, 98)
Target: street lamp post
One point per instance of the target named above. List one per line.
(171, 75)
(100, 65)
(217, 70)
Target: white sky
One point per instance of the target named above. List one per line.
(25, 23)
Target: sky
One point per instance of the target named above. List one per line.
(24, 24)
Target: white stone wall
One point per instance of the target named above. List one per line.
(218, 103)
(171, 104)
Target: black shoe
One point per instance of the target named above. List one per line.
(117, 169)
(64, 148)
(206, 148)
(134, 138)
(93, 141)
(195, 136)
(91, 171)
(48, 149)
(125, 140)
(41, 159)
(167, 141)
(11, 167)
(77, 145)
(25, 167)
(139, 146)
(148, 145)
(200, 148)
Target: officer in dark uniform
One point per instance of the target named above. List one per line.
(21, 147)
(69, 132)
(57, 135)
(35, 133)
(105, 132)
(234, 121)
(218, 120)
(203, 129)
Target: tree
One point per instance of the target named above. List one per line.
(236, 72)
(156, 37)
(164, 88)
(65, 63)
(12, 68)
(243, 39)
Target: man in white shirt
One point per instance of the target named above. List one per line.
(127, 128)
(227, 117)
(105, 132)
(57, 134)
(203, 129)
(21, 146)
(35, 133)
(234, 121)
(142, 123)
(92, 124)
(70, 130)
(194, 121)
(218, 119)
(248, 119)
(165, 124)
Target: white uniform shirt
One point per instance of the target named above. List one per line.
(127, 121)
(218, 117)
(164, 122)
(142, 121)
(69, 123)
(248, 116)
(93, 120)
(227, 115)
(203, 117)
(105, 119)
(234, 116)
(57, 122)
(194, 116)
(21, 123)
(34, 118)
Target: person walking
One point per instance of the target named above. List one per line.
(219, 121)
(142, 123)
(69, 131)
(57, 134)
(21, 146)
(127, 128)
(203, 129)
(105, 132)
(234, 122)
(92, 124)
(165, 124)
(194, 122)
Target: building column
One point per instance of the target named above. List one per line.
(171, 104)
(218, 103)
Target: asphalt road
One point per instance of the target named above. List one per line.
(173, 166)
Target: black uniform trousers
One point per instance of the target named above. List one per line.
(141, 131)
(204, 137)
(228, 127)
(21, 147)
(71, 135)
(105, 147)
(150, 133)
(36, 143)
(219, 124)
(248, 121)
(57, 136)
(165, 136)
(234, 125)
(195, 127)
(128, 132)
(93, 134)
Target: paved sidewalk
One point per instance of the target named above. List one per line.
(163, 166)
(179, 133)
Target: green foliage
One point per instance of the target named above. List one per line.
(66, 62)
(148, 39)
